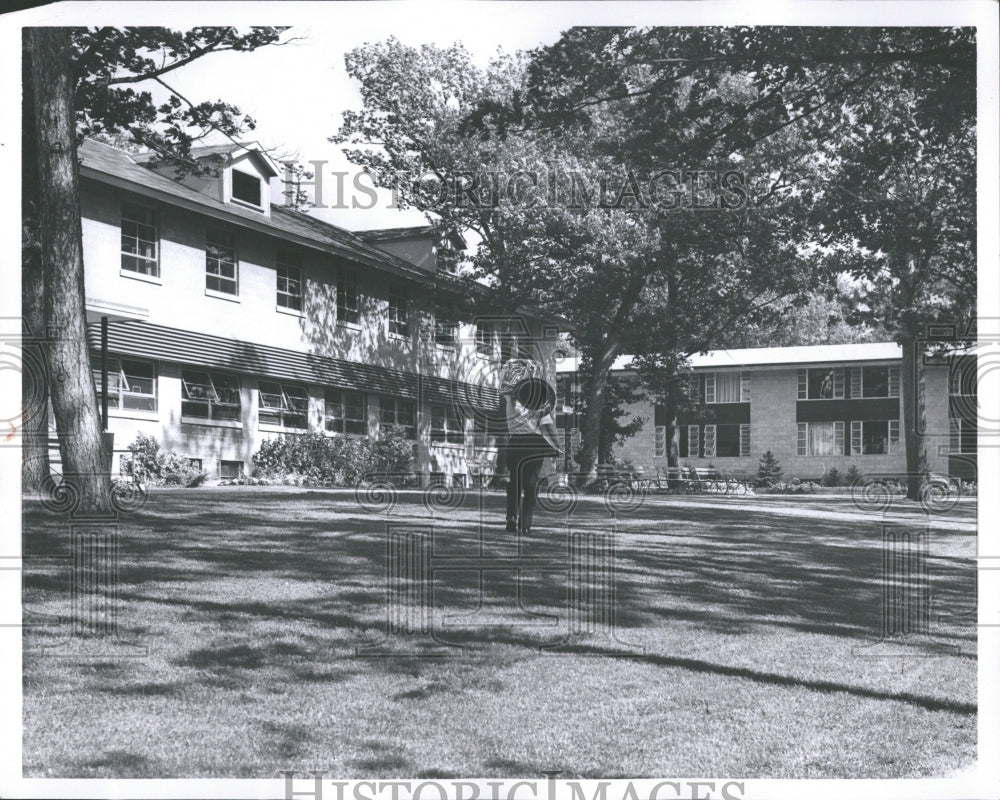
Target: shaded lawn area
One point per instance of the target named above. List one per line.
(746, 644)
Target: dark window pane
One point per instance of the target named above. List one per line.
(246, 187)
(874, 381)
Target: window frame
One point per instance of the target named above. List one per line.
(740, 378)
(803, 439)
(225, 463)
(398, 313)
(140, 223)
(211, 402)
(210, 275)
(338, 424)
(453, 430)
(387, 403)
(838, 383)
(348, 314)
(288, 261)
(118, 378)
(287, 410)
(892, 437)
(445, 319)
(247, 177)
(485, 336)
(959, 437)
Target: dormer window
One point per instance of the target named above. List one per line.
(246, 188)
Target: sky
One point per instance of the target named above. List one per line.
(296, 92)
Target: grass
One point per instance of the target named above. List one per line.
(746, 644)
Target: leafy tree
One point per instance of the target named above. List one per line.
(82, 82)
(768, 99)
(898, 214)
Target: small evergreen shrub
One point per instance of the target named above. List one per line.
(832, 478)
(853, 476)
(769, 470)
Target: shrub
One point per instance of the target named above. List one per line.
(832, 478)
(149, 464)
(795, 486)
(768, 470)
(316, 459)
(853, 476)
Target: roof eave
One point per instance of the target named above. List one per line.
(261, 227)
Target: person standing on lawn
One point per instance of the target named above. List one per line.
(532, 437)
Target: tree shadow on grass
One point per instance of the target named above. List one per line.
(716, 568)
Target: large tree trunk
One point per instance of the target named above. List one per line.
(594, 398)
(912, 389)
(74, 401)
(34, 384)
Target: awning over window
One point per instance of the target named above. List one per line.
(144, 340)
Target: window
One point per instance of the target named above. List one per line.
(230, 470)
(195, 463)
(660, 441)
(246, 188)
(963, 435)
(874, 381)
(709, 441)
(345, 412)
(727, 387)
(874, 437)
(289, 287)
(399, 313)
(825, 383)
(962, 379)
(285, 404)
(140, 242)
(727, 439)
(400, 414)
(131, 384)
(484, 338)
(744, 440)
(446, 425)
(348, 310)
(221, 266)
(210, 395)
(821, 439)
(445, 327)
(689, 442)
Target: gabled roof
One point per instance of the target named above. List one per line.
(412, 232)
(111, 166)
(774, 356)
(228, 152)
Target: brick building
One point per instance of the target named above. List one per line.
(814, 407)
(226, 318)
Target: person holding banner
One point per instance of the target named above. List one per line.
(532, 437)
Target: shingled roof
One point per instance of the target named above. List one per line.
(108, 165)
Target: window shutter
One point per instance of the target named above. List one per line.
(838, 383)
(660, 441)
(954, 435)
(803, 385)
(894, 382)
(710, 387)
(855, 382)
(693, 441)
(744, 440)
(744, 387)
(803, 434)
(709, 441)
(855, 437)
(838, 438)
(893, 434)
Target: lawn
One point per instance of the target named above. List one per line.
(745, 642)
